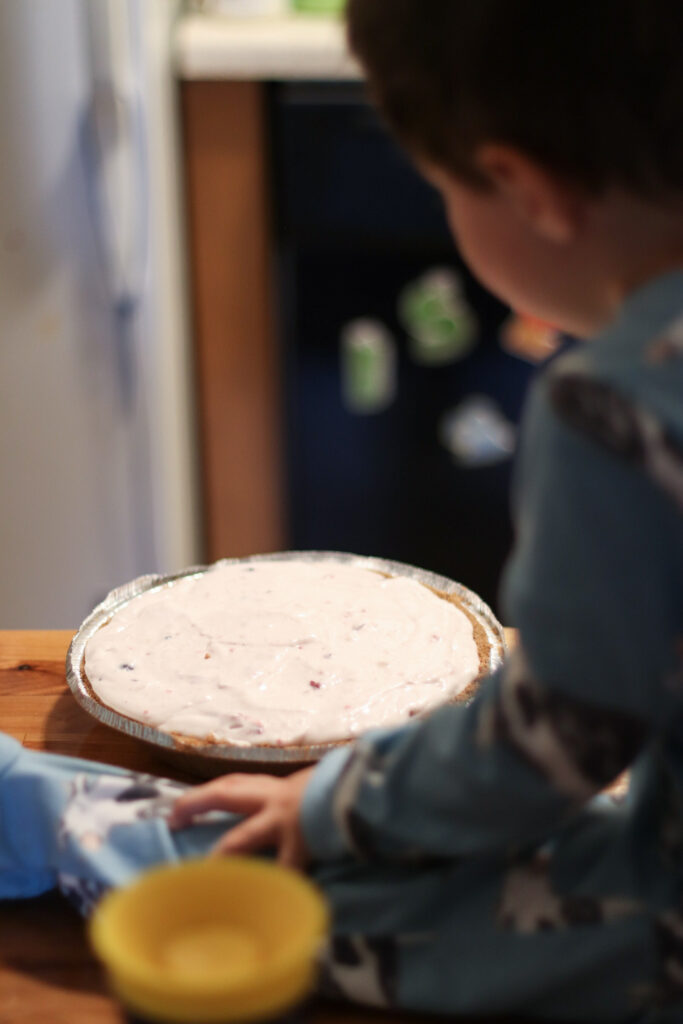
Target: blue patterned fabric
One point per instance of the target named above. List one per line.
(85, 827)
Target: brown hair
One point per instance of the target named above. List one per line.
(592, 89)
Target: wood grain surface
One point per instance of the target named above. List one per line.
(47, 972)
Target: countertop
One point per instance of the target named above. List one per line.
(294, 46)
(47, 972)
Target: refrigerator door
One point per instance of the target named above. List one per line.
(115, 153)
(80, 400)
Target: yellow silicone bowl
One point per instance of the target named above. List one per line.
(217, 940)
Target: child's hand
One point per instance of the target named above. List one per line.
(272, 808)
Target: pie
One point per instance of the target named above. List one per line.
(285, 652)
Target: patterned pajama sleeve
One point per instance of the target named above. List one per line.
(85, 827)
(575, 704)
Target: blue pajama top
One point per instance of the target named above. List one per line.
(595, 587)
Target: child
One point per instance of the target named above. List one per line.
(469, 862)
(468, 866)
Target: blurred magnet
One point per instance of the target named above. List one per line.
(440, 324)
(476, 432)
(368, 366)
(529, 338)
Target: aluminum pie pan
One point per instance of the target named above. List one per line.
(206, 758)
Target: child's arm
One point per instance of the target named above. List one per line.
(590, 588)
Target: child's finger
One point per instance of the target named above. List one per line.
(242, 794)
(253, 834)
(196, 801)
(292, 853)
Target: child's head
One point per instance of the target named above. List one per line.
(554, 132)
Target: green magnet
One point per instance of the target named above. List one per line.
(368, 366)
(319, 6)
(440, 324)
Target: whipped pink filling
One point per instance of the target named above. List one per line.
(283, 652)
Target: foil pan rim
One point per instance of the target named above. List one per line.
(120, 596)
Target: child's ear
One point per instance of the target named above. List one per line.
(550, 206)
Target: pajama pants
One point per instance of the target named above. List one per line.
(536, 935)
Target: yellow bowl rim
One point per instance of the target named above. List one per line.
(121, 963)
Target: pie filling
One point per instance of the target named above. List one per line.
(282, 653)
